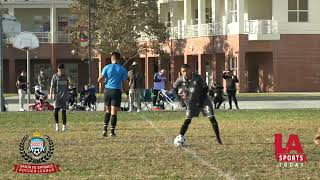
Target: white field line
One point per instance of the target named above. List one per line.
(193, 153)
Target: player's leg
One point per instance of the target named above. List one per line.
(185, 126)
(191, 112)
(64, 119)
(56, 117)
(63, 106)
(131, 100)
(230, 99)
(115, 106)
(207, 110)
(155, 97)
(107, 113)
(235, 99)
(138, 98)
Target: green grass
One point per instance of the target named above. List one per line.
(279, 96)
(143, 148)
(10, 94)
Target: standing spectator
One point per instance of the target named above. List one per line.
(231, 81)
(136, 86)
(159, 83)
(22, 89)
(42, 81)
(113, 76)
(59, 91)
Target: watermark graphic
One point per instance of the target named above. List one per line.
(292, 155)
(36, 150)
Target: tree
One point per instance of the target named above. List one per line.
(118, 24)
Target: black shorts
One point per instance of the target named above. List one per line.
(112, 97)
(194, 110)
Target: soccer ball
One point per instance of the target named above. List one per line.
(179, 141)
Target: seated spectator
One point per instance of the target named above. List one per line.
(39, 96)
(73, 96)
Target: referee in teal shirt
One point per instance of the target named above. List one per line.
(114, 76)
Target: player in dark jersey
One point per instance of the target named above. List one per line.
(231, 81)
(59, 92)
(114, 75)
(196, 99)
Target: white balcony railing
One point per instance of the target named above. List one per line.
(44, 37)
(37, 1)
(261, 27)
(63, 37)
(192, 31)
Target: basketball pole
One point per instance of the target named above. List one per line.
(1, 66)
(28, 76)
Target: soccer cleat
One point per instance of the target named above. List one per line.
(218, 141)
(130, 110)
(64, 127)
(21, 110)
(57, 127)
(112, 134)
(139, 110)
(104, 134)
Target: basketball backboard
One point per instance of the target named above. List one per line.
(26, 41)
(11, 26)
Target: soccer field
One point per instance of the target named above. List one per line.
(144, 147)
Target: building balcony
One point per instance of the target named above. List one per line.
(63, 37)
(44, 37)
(35, 1)
(202, 30)
(262, 30)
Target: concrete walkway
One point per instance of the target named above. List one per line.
(280, 104)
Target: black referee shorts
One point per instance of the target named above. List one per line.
(112, 97)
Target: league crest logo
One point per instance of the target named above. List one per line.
(36, 149)
(37, 146)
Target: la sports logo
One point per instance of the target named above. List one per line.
(292, 155)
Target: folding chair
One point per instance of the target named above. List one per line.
(146, 98)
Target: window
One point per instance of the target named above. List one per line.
(232, 6)
(196, 17)
(41, 24)
(298, 11)
(169, 19)
(208, 15)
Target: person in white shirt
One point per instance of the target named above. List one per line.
(160, 80)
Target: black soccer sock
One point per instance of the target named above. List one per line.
(56, 114)
(215, 127)
(235, 100)
(113, 123)
(185, 126)
(64, 117)
(106, 120)
(230, 101)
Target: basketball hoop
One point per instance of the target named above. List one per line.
(26, 41)
(9, 27)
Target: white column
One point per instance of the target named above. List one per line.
(187, 11)
(213, 11)
(225, 17)
(240, 14)
(53, 23)
(201, 16)
(11, 11)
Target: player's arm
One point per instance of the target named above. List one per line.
(235, 78)
(176, 86)
(52, 87)
(125, 83)
(103, 75)
(101, 79)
